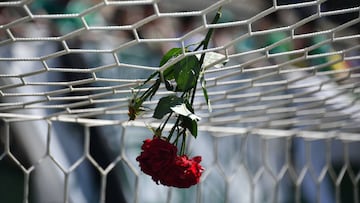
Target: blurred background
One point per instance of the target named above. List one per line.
(285, 120)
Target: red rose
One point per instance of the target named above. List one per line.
(159, 160)
(157, 156)
(184, 173)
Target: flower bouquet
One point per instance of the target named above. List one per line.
(160, 157)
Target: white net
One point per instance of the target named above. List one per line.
(285, 107)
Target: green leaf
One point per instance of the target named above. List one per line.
(206, 96)
(191, 125)
(206, 41)
(186, 73)
(188, 118)
(172, 53)
(169, 73)
(164, 105)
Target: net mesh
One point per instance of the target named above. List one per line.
(282, 78)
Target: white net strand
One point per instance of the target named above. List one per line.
(285, 119)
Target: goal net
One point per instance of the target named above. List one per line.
(282, 78)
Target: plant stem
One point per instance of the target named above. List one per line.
(150, 91)
(167, 119)
(182, 149)
(173, 128)
(205, 44)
